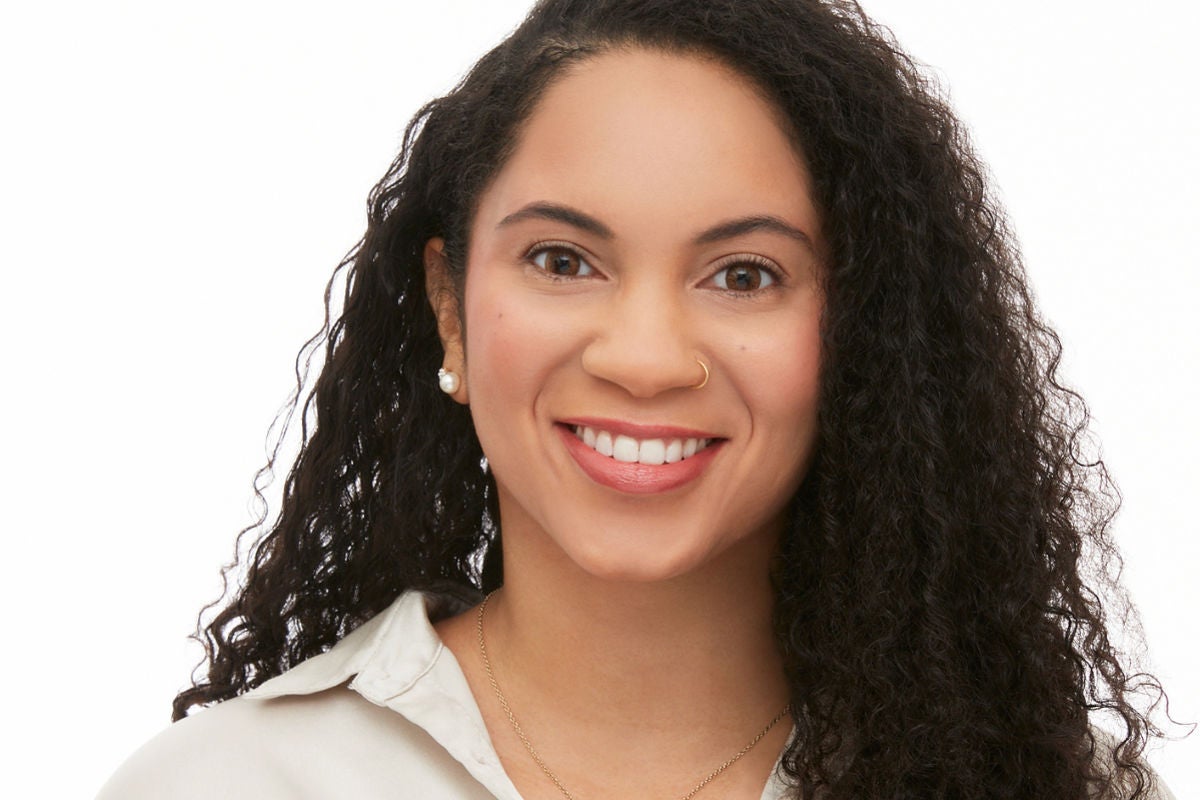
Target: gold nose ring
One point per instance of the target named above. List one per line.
(704, 382)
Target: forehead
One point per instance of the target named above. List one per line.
(650, 140)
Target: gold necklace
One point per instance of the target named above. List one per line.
(516, 726)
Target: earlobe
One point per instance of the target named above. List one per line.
(443, 298)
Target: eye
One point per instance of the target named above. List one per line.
(560, 261)
(744, 276)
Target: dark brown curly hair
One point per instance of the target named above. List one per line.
(939, 588)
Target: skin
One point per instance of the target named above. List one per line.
(632, 637)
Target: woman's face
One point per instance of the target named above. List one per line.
(653, 215)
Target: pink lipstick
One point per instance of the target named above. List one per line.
(614, 450)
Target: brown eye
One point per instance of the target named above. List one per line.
(561, 262)
(743, 278)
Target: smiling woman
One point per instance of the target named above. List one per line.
(599, 293)
(686, 383)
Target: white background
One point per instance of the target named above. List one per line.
(179, 180)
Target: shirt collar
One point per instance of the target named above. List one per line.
(385, 655)
(396, 660)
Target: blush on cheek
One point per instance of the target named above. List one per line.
(512, 329)
(801, 377)
(511, 342)
(780, 368)
(494, 344)
(780, 384)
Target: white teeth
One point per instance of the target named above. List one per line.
(652, 451)
(626, 449)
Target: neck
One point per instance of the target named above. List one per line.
(696, 650)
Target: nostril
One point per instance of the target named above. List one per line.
(644, 369)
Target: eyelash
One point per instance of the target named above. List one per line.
(544, 247)
(760, 263)
(763, 265)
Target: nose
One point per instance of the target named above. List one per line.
(645, 345)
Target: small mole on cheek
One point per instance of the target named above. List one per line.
(742, 347)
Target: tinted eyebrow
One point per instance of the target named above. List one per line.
(724, 230)
(559, 213)
(744, 225)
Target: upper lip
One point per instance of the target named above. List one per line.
(637, 430)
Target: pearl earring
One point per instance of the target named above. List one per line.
(448, 381)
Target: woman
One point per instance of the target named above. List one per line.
(687, 429)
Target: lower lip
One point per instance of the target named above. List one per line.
(636, 478)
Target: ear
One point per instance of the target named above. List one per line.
(439, 287)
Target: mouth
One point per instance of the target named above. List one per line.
(630, 450)
(638, 459)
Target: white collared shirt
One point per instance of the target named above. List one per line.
(386, 713)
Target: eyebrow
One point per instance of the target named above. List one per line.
(719, 232)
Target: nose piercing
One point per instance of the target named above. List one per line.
(704, 382)
(448, 381)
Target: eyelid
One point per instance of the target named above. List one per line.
(768, 266)
(547, 244)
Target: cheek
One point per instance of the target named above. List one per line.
(779, 379)
(779, 363)
(513, 344)
(495, 340)
(494, 343)
(799, 378)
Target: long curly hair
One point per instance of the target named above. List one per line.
(945, 587)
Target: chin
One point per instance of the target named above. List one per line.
(618, 559)
(631, 573)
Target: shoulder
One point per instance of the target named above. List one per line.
(328, 727)
(333, 743)
(258, 748)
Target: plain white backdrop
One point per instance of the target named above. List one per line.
(178, 181)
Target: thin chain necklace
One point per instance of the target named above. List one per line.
(516, 726)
